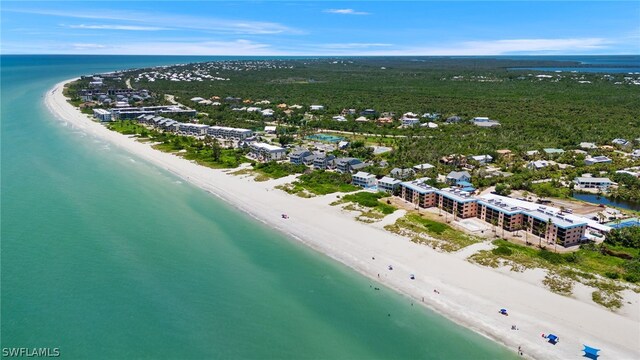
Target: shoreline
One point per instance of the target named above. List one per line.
(469, 294)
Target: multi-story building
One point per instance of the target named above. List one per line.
(102, 114)
(267, 152)
(592, 183)
(418, 193)
(298, 156)
(389, 184)
(363, 179)
(324, 162)
(229, 132)
(348, 165)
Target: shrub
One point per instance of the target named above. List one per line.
(502, 251)
(632, 278)
(612, 275)
(553, 258)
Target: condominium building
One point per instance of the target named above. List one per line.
(102, 114)
(363, 179)
(267, 152)
(418, 193)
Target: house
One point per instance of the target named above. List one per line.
(102, 114)
(432, 116)
(348, 165)
(197, 99)
(339, 118)
(323, 162)
(316, 107)
(621, 142)
(267, 152)
(453, 119)
(402, 174)
(465, 186)
(531, 153)
(484, 122)
(537, 165)
(455, 177)
(389, 184)
(253, 109)
(267, 112)
(454, 159)
(343, 145)
(270, 129)
(552, 151)
(592, 183)
(297, 156)
(410, 119)
(483, 159)
(362, 119)
(636, 154)
(588, 145)
(384, 120)
(423, 167)
(430, 125)
(348, 112)
(505, 153)
(363, 179)
(597, 160)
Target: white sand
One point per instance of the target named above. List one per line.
(469, 294)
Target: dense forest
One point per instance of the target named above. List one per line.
(561, 110)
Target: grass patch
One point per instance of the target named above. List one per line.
(559, 284)
(433, 233)
(276, 170)
(322, 182)
(370, 200)
(610, 300)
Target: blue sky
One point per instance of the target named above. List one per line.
(320, 28)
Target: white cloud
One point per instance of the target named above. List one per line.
(116, 27)
(354, 45)
(503, 47)
(235, 47)
(159, 20)
(87, 46)
(345, 12)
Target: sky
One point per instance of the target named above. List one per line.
(280, 28)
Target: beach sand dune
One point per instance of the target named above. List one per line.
(467, 293)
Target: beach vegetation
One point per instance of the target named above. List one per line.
(370, 200)
(321, 183)
(276, 170)
(432, 233)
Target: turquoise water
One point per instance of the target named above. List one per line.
(105, 256)
(325, 137)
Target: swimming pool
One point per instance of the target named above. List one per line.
(325, 137)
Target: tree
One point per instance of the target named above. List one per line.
(502, 189)
(216, 150)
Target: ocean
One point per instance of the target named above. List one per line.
(106, 256)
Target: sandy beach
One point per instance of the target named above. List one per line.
(468, 294)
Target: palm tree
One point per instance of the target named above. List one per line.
(546, 229)
(494, 222)
(539, 230)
